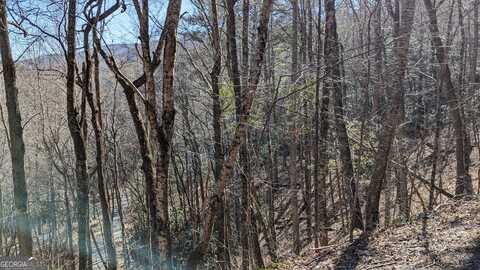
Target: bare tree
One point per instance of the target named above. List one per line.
(79, 144)
(240, 130)
(294, 132)
(333, 81)
(16, 143)
(463, 185)
(402, 15)
(155, 171)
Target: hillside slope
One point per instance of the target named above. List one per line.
(449, 238)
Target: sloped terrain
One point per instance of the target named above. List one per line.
(448, 238)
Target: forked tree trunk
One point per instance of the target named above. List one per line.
(402, 31)
(333, 76)
(155, 171)
(97, 124)
(240, 131)
(165, 129)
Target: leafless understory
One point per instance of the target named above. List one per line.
(224, 134)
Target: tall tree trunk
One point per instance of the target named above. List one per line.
(237, 87)
(245, 174)
(156, 194)
(321, 133)
(97, 124)
(17, 146)
(76, 133)
(272, 158)
(294, 133)
(165, 129)
(222, 247)
(156, 180)
(240, 130)
(308, 138)
(402, 31)
(463, 185)
(356, 220)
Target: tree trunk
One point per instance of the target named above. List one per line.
(307, 175)
(17, 146)
(78, 142)
(165, 129)
(272, 158)
(294, 133)
(379, 45)
(463, 185)
(237, 87)
(97, 124)
(402, 31)
(436, 146)
(333, 74)
(240, 130)
(245, 174)
(321, 133)
(156, 180)
(222, 247)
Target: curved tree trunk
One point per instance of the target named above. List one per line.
(239, 133)
(463, 185)
(402, 31)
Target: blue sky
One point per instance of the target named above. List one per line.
(121, 28)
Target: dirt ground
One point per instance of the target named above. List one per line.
(448, 238)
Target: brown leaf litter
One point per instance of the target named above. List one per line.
(448, 238)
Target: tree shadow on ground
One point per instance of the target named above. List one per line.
(472, 263)
(434, 257)
(350, 257)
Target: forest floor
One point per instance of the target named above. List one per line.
(447, 238)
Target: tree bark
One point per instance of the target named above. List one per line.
(402, 31)
(239, 87)
(17, 146)
(333, 77)
(240, 130)
(155, 171)
(463, 184)
(245, 173)
(78, 142)
(222, 246)
(294, 133)
(97, 124)
(199, 252)
(321, 133)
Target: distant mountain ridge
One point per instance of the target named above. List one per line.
(123, 51)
